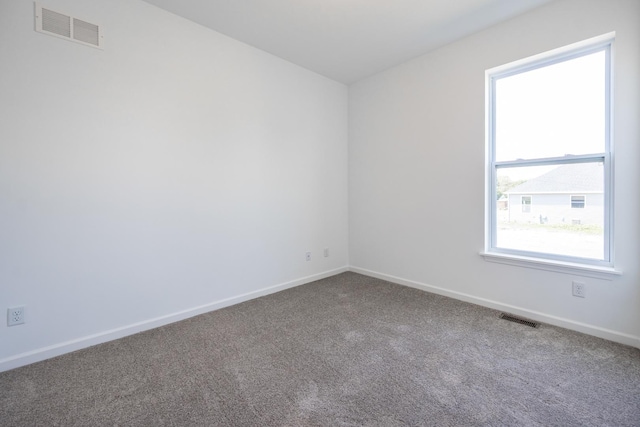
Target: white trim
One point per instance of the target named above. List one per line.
(515, 193)
(536, 60)
(113, 334)
(585, 328)
(547, 161)
(564, 267)
(609, 172)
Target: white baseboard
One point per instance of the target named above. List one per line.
(597, 331)
(113, 334)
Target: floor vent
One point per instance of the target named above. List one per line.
(67, 27)
(516, 319)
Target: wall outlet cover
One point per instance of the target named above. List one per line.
(15, 316)
(579, 289)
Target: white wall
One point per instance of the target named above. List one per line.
(173, 172)
(178, 170)
(416, 172)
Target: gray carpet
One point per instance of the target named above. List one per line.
(345, 351)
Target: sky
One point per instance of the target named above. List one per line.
(551, 111)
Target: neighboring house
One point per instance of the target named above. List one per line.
(503, 203)
(570, 194)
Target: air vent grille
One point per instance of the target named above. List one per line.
(522, 321)
(85, 32)
(56, 23)
(67, 27)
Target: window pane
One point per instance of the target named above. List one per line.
(552, 111)
(535, 210)
(577, 202)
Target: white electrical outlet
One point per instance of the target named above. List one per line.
(15, 316)
(579, 289)
(326, 252)
(308, 256)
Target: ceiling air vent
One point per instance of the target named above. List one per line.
(67, 27)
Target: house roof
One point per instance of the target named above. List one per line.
(571, 178)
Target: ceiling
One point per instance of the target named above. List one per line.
(347, 40)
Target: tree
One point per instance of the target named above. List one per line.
(505, 184)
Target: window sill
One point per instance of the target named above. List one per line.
(595, 271)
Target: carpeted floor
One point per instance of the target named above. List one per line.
(345, 351)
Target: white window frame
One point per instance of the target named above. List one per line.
(523, 204)
(546, 261)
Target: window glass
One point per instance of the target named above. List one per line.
(546, 222)
(550, 152)
(552, 111)
(577, 202)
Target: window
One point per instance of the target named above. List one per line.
(549, 138)
(577, 202)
